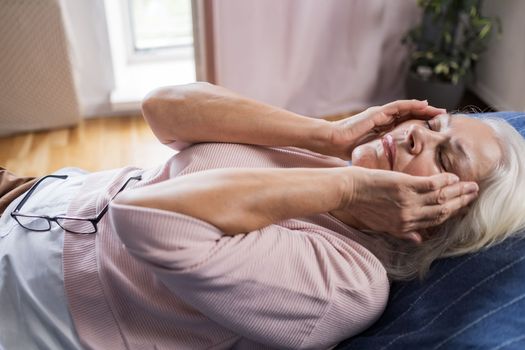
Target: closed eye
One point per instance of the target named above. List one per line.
(440, 150)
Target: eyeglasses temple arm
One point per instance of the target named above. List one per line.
(106, 207)
(32, 189)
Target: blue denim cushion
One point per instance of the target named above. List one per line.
(516, 119)
(475, 301)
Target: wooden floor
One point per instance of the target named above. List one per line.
(95, 144)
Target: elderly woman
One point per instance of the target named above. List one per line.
(256, 235)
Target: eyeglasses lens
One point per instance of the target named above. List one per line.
(77, 226)
(31, 223)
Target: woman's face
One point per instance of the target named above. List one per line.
(456, 144)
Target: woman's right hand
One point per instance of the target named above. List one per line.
(353, 131)
(404, 205)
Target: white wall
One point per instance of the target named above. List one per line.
(501, 70)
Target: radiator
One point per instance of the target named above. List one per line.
(37, 88)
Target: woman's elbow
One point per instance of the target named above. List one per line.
(174, 94)
(162, 108)
(171, 100)
(158, 101)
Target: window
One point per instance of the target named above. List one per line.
(159, 29)
(152, 45)
(160, 24)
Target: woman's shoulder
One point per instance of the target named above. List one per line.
(358, 280)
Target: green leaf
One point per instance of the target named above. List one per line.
(448, 37)
(442, 68)
(484, 31)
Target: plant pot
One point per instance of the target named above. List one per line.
(438, 94)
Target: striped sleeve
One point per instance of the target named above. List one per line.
(277, 286)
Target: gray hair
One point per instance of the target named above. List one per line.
(497, 213)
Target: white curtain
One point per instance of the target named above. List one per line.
(91, 54)
(313, 57)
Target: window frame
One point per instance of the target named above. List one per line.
(134, 56)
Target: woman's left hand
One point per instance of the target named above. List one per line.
(353, 131)
(403, 205)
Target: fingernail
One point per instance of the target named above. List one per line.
(471, 187)
(454, 179)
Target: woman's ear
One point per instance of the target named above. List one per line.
(416, 237)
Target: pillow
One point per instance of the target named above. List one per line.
(516, 119)
(475, 301)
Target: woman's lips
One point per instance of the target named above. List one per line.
(390, 149)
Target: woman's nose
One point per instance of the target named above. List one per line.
(419, 137)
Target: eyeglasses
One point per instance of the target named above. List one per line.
(41, 223)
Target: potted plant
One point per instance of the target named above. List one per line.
(445, 48)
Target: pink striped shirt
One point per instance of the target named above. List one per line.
(153, 279)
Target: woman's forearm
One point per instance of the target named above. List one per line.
(203, 112)
(243, 200)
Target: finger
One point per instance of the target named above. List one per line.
(402, 107)
(447, 193)
(423, 184)
(428, 112)
(437, 214)
(399, 111)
